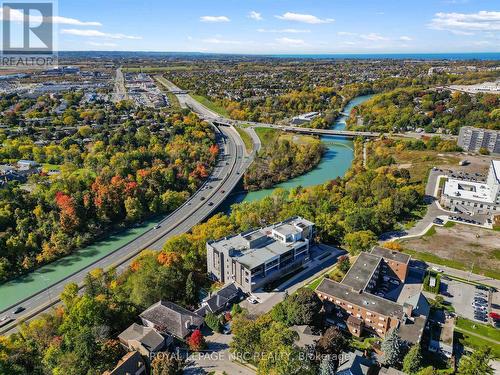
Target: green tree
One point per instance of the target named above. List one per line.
(166, 363)
(213, 322)
(191, 296)
(360, 241)
(333, 342)
(412, 362)
(393, 349)
(477, 363)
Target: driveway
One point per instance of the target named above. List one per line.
(216, 358)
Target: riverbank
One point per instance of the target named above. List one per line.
(283, 156)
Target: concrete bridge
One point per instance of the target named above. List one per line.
(298, 129)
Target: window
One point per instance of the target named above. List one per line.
(381, 318)
(349, 306)
(380, 325)
(337, 301)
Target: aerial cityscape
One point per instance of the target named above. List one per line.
(250, 188)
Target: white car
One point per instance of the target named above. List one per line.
(437, 269)
(252, 300)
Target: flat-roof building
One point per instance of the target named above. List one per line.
(474, 197)
(352, 303)
(254, 258)
(473, 139)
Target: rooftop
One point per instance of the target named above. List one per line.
(496, 169)
(130, 363)
(366, 300)
(475, 191)
(171, 318)
(444, 332)
(391, 254)
(256, 247)
(148, 337)
(361, 271)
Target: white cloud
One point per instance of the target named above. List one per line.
(291, 42)
(373, 37)
(466, 23)
(304, 18)
(405, 38)
(284, 31)
(17, 16)
(101, 44)
(346, 33)
(221, 41)
(214, 19)
(255, 15)
(97, 34)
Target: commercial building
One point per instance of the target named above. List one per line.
(474, 197)
(305, 118)
(254, 258)
(472, 139)
(352, 304)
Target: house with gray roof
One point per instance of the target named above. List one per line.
(354, 363)
(130, 364)
(145, 340)
(170, 318)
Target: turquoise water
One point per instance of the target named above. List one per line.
(334, 163)
(24, 286)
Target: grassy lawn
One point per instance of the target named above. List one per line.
(479, 329)
(211, 105)
(476, 335)
(50, 167)
(458, 246)
(266, 135)
(247, 140)
(314, 284)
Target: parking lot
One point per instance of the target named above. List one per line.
(461, 296)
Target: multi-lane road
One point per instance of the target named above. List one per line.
(231, 165)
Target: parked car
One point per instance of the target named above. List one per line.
(437, 269)
(252, 300)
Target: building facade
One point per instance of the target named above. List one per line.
(254, 258)
(353, 305)
(474, 197)
(472, 139)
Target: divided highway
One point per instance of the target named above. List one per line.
(231, 165)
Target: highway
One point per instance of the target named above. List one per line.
(232, 163)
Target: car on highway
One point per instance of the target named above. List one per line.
(202, 198)
(157, 226)
(18, 310)
(222, 191)
(437, 269)
(210, 203)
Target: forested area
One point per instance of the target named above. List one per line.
(282, 158)
(122, 176)
(429, 109)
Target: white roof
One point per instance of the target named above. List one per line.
(475, 191)
(496, 169)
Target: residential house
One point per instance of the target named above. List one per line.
(172, 319)
(130, 364)
(145, 340)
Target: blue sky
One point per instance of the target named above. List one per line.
(280, 26)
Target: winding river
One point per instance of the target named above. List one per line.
(335, 162)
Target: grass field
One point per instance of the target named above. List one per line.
(458, 246)
(247, 140)
(266, 135)
(211, 105)
(476, 335)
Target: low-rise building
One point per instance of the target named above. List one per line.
(473, 139)
(254, 258)
(474, 197)
(172, 319)
(354, 363)
(130, 364)
(145, 340)
(352, 305)
(441, 337)
(220, 300)
(304, 118)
